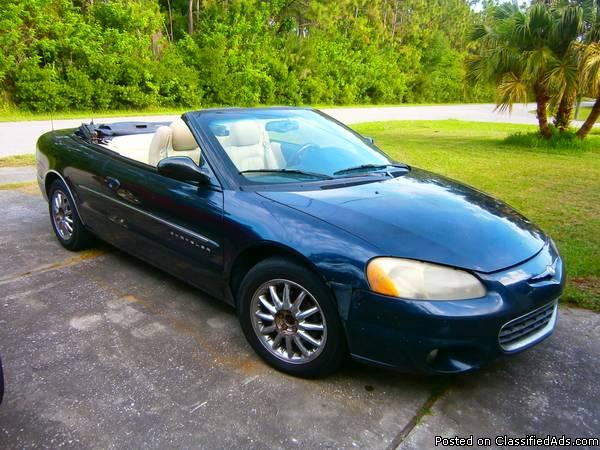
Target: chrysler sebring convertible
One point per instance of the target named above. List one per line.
(325, 246)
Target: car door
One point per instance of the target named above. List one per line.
(173, 224)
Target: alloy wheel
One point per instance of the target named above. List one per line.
(288, 321)
(62, 214)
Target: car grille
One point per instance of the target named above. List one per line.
(524, 330)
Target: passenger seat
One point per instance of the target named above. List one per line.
(249, 147)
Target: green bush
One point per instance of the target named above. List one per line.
(73, 54)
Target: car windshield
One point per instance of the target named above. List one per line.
(291, 145)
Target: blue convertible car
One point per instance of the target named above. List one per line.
(325, 246)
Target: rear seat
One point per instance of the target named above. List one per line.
(134, 146)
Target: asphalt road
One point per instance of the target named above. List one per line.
(20, 137)
(103, 351)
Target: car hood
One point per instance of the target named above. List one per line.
(427, 217)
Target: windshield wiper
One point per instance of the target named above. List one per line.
(369, 166)
(321, 176)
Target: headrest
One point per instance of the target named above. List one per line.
(182, 138)
(161, 137)
(161, 140)
(244, 133)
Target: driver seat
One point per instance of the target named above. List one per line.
(174, 140)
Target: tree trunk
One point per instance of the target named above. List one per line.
(564, 114)
(384, 9)
(170, 21)
(590, 121)
(541, 99)
(190, 16)
(395, 20)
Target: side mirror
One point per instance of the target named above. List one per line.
(369, 140)
(182, 168)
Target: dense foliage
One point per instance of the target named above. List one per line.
(88, 54)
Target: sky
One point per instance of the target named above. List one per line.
(477, 4)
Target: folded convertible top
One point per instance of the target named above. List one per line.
(89, 130)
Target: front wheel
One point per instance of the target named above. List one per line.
(65, 221)
(290, 319)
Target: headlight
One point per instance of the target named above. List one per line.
(420, 280)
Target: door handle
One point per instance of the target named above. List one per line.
(112, 183)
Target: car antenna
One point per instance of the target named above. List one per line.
(53, 99)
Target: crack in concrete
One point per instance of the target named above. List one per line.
(82, 257)
(437, 393)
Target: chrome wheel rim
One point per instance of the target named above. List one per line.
(288, 321)
(62, 215)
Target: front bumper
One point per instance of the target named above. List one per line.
(459, 336)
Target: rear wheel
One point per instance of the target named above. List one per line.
(64, 218)
(290, 319)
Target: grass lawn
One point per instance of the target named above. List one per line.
(557, 189)
(584, 112)
(17, 161)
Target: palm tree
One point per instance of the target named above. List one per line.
(589, 51)
(562, 76)
(590, 79)
(514, 53)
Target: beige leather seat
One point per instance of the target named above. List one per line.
(249, 148)
(278, 155)
(174, 140)
(161, 141)
(133, 146)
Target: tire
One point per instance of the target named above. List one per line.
(284, 332)
(64, 218)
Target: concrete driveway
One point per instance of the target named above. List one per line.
(20, 137)
(103, 351)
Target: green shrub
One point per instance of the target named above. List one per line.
(566, 140)
(68, 54)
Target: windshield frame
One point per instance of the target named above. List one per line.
(202, 119)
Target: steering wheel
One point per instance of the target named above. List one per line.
(297, 158)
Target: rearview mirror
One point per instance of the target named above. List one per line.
(282, 126)
(182, 168)
(369, 140)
